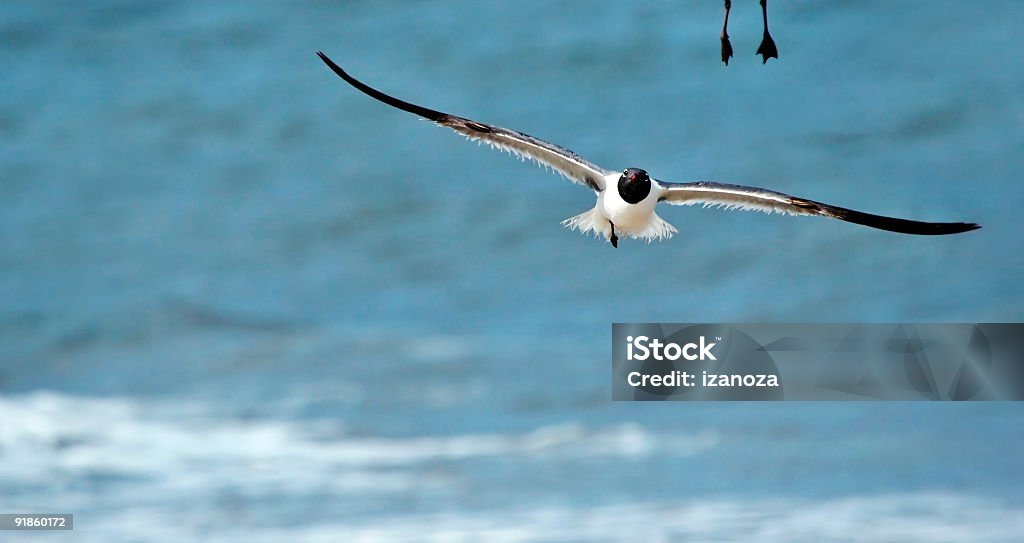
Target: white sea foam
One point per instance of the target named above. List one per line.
(149, 470)
(46, 436)
(913, 517)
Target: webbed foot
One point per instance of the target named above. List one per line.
(767, 48)
(726, 46)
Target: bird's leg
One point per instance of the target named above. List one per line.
(767, 48)
(726, 46)
(614, 239)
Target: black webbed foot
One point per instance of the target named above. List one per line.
(767, 48)
(614, 239)
(726, 46)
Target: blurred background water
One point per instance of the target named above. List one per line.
(240, 301)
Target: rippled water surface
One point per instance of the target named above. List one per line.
(242, 302)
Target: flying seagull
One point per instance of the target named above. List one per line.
(626, 199)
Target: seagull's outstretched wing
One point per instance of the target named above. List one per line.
(564, 161)
(755, 199)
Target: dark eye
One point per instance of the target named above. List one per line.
(625, 172)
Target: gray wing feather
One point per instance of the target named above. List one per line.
(768, 201)
(569, 164)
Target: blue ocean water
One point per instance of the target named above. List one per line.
(242, 302)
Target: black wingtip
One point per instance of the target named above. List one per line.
(952, 228)
(378, 95)
(330, 64)
(902, 226)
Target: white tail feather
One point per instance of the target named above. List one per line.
(657, 228)
(591, 221)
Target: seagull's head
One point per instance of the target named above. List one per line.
(634, 175)
(634, 185)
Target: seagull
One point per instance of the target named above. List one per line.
(626, 200)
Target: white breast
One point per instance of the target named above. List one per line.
(628, 218)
